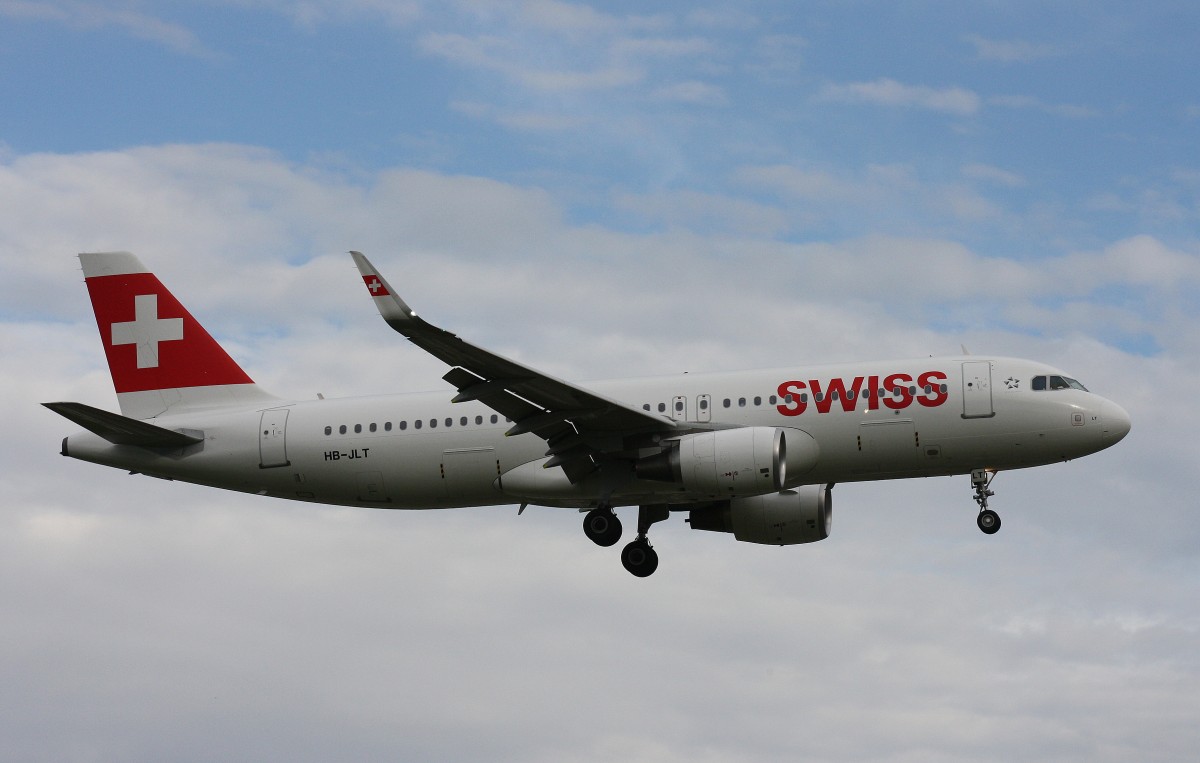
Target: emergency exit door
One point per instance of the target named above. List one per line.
(272, 438)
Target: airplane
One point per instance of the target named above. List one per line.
(755, 454)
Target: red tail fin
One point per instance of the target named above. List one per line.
(161, 359)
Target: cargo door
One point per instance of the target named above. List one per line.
(469, 473)
(887, 446)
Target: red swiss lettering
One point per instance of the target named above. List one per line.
(897, 382)
(793, 401)
(936, 396)
(837, 390)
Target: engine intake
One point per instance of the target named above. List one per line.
(804, 515)
(734, 462)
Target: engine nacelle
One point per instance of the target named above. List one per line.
(804, 515)
(735, 462)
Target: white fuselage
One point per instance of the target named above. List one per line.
(936, 416)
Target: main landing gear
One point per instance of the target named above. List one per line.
(602, 526)
(981, 480)
(604, 529)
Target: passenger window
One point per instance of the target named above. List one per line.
(727, 402)
(357, 428)
(328, 430)
(342, 429)
(494, 418)
(403, 425)
(662, 407)
(449, 422)
(387, 426)
(478, 420)
(417, 424)
(433, 423)
(646, 407)
(704, 403)
(372, 427)
(758, 400)
(741, 402)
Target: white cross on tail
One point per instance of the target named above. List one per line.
(146, 330)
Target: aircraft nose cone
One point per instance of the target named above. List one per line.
(1115, 421)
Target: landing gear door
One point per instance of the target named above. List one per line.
(272, 439)
(977, 389)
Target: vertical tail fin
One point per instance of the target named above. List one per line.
(161, 359)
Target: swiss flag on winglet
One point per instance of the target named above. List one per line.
(375, 286)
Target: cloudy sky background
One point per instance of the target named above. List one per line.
(605, 190)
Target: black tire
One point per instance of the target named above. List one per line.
(640, 558)
(988, 521)
(602, 527)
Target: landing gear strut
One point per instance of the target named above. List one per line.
(639, 557)
(981, 480)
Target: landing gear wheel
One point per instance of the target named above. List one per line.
(602, 526)
(989, 521)
(639, 558)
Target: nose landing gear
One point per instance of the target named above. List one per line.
(981, 480)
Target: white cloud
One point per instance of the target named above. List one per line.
(888, 92)
(89, 15)
(692, 92)
(992, 174)
(502, 56)
(159, 619)
(1012, 51)
(1070, 111)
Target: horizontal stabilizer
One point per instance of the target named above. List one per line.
(122, 430)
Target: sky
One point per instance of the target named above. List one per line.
(605, 190)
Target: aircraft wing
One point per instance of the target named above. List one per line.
(576, 422)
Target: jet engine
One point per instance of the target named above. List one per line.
(734, 462)
(804, 515)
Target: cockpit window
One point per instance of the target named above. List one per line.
(1041, 383)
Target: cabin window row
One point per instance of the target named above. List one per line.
(416, 424)
(789, 398)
